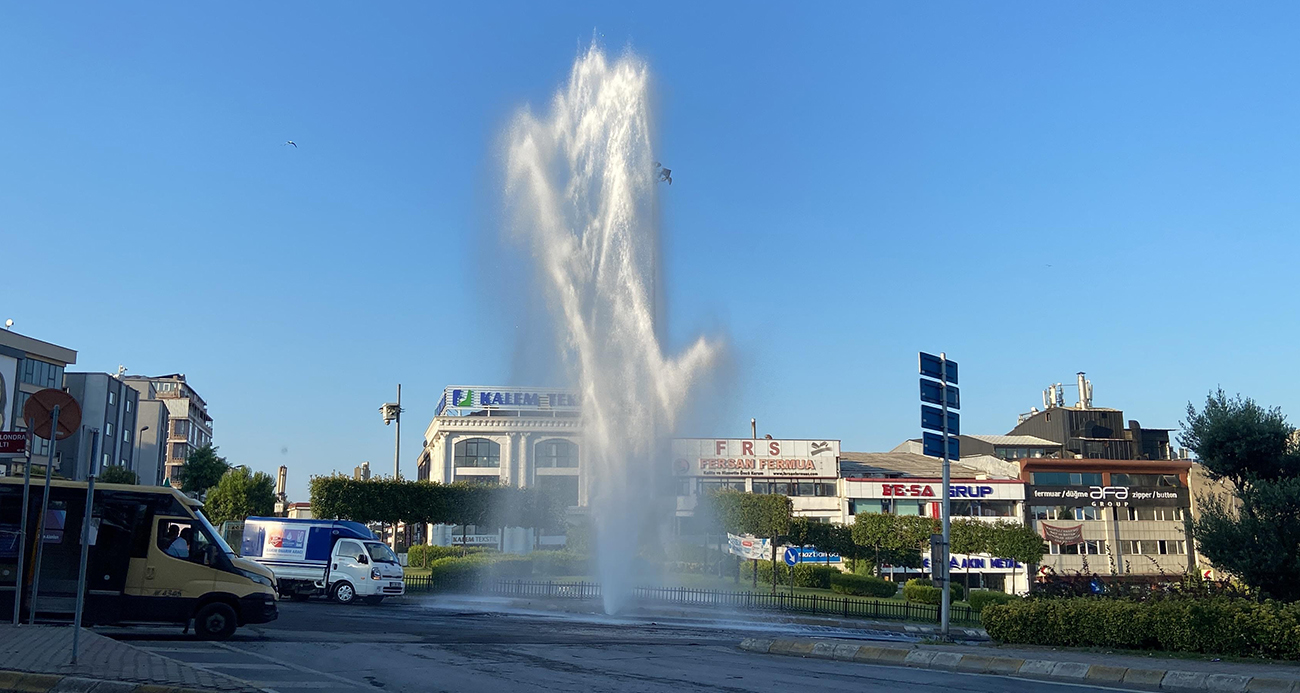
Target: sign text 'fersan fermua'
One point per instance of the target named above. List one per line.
(542, 399)
(737, 457)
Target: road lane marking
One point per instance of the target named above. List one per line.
(236, 665)
(291, 665)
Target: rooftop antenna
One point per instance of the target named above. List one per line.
(121, 370)
(9, 324)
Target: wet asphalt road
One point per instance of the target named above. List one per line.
(444, 644)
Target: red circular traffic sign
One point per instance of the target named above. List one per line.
(39, 413)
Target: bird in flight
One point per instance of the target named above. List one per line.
(295, 146)
(665, 174)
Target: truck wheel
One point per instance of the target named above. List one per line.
(344, 593)
(215, 621)
(375, 599)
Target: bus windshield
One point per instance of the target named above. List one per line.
(212, 532)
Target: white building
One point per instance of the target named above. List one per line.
(904, 483)
(514, 436)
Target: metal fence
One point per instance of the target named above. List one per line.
(848, 607)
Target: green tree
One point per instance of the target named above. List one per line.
(240, 493)
(1017, 542)
(761, 515)
(114, 474)
(893, 539)
(1236, 439)
(1254, 535)
(202, 470)
(970, 536)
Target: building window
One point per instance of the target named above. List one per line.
(1138, 514)
(180, 451)
(556, 453)
(1087, 513)
(112, 398)
(126, 435)
(1050, 512)
(179, 428)
(128, 404)
(108, 430)
(477, 452)
(1156, 547)
(982, 508)
(108, 459)
(684, 486)
(1162, 480)
(564, 488)
(42, 374)
(707, 486)
(1092, 547)
(1067, 478)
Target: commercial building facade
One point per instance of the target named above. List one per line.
(107, 435)
(188, 424)
(27, 365)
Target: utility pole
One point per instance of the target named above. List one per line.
(939, 386)
(392, 412)
(945, 597)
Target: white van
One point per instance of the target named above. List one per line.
(338, 559)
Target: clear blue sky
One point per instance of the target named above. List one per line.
(1036, 189)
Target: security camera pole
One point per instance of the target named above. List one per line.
(393, 414)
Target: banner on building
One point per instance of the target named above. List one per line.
(1063, 535)
(749, 546)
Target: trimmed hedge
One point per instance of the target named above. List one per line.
(1218, 625)
(978, 599)
(422, 556)
(924, 592)
(863, 586)
(809, 575)
(552, 563)
(765, 572)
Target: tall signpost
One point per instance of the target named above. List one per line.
(939, 386)
(53, 415)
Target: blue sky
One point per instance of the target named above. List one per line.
(1035, 189)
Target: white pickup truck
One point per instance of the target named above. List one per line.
(338, 559)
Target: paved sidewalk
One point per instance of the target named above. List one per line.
(46, 650)
(1112, 669)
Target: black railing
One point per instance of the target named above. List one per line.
(847, 607)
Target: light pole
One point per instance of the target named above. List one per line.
(392, 412)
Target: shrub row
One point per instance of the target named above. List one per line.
(863, 586)
(765, 572)
(1219, 625)
(924, 591)
(457, 571)
(422, 556)
(978, 599)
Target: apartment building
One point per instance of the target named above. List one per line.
(189, 426)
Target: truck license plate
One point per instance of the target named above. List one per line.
(394, 584)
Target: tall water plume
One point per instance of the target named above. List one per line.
(581, 183)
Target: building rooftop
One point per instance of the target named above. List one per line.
(1017, 441)
(899, 465)
(36, 347)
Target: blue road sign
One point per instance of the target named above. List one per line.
(933, 392)
(932, 418)
(791, 556)
(932, 445)
(932, 367)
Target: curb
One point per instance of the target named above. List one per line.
(1072, 672)
(24, 682)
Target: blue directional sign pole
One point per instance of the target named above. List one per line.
(945, 594)
(939, 386)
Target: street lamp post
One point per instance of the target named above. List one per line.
(392, 412)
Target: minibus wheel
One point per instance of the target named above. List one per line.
(215, 621)
(344, 593)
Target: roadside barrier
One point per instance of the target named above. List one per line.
(847, 607)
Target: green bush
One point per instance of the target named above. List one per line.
(765, 572)
(863, 586)
(553, 563)
(456, 572)
(812, 575)
(1218, 625)
(978, 599)
(423, 556)
(924, 591)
